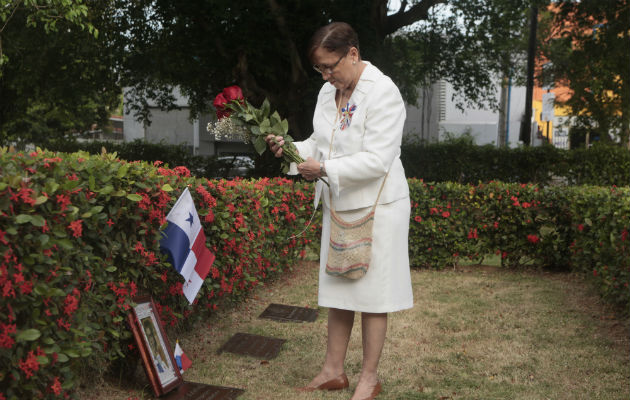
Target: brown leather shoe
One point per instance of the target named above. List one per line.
(377, 389)
(338, 383)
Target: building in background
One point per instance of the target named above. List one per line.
(437, 117)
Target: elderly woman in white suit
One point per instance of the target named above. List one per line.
(362, 112)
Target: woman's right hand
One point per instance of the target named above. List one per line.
(275, 144)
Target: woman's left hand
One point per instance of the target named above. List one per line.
(309, 169)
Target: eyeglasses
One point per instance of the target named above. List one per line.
(328, 68)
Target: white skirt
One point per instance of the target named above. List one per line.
(386, 287)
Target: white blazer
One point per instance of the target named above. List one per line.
(366, 143)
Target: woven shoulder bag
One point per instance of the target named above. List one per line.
(350, 245)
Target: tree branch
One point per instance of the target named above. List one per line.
(402, 18)
(10, 16)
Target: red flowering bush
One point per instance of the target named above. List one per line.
(584, 228)
(599, 240)
(79, 238)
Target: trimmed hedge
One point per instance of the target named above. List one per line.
(466, 163)
(79, 236)
(453, 161)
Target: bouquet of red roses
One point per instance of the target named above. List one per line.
(238, 119)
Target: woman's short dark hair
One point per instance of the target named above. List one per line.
(336, 37)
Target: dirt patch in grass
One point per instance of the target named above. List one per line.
(474, 333)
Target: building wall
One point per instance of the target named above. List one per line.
(423, 119)
(481, 123)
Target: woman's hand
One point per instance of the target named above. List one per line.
(275, 143)
(309, 169)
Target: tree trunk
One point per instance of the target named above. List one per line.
(502, 113)
(526, 129)
(298, 74)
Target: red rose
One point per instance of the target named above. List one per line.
(229, 94)
(233, 93)
(219, 104)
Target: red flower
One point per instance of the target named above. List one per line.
(219, 104)
(533, 239)
(417, 218)
(63, 201)
(63, 324)
(76, 227)
(55, 387)
(580, 227)
(29, 365)
(71, 303)
(7, 341)
(182, 171)
(233, 93)
(229, 94)
(446, 214)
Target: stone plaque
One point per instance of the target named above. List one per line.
(201, 391)
(284, 313)
(253, 345)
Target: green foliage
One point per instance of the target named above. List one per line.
(140, 150)
(599, 165)
(458, 161)
(45, 13)
(79, 237)
(74, 78)
(586, 43)
(61, 80)
(194, 47)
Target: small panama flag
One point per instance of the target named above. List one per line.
(184, 242)
(183, 362)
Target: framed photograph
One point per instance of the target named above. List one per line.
(155, 350)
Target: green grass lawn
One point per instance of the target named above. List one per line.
(475, 332)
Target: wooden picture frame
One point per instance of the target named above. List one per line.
(155, 349)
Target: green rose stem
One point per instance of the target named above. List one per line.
(290, 153)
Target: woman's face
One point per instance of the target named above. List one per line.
(336, 68)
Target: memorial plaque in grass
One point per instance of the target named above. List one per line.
(201, 391)
(253, 345)
(285, 313)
